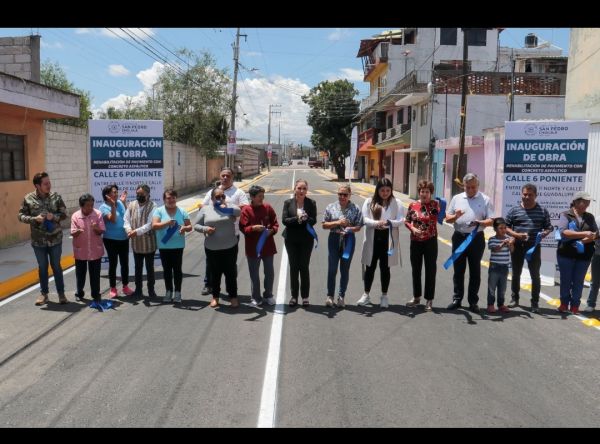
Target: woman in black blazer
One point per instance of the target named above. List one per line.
(297, 213)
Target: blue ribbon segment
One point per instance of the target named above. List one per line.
(529, 253)
(48, 225)
(442, 213)
(102, 305)
(461, 248)
(313, 233)
(348, 244)
(170, 232)
(227, 211)
(261, 242)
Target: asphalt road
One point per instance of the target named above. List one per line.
(153, 365)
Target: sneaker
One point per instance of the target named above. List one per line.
(504, 309)
(255, 303)
(62, 299)
(513, 303)
(429, 305)
(474, 308)
(329, 301)
(384, 303)
(340, 302)
(454, 304)
(168, 297)
(563, 308)
(491, 309)
(535, 307)
(575, 309)
(127, 291)
(177, 297)
(151, 293)
(42, 299)
(137, 293)
(270, 301)
(113, 293)
(206, 290)
(79, 296)
(413, 302)
(364, 299)
(589, 309)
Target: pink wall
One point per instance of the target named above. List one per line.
(475, 165)
(398, 171)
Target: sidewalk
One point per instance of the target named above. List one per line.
(18, 266)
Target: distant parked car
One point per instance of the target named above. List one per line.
(299, 163)
(315, 163)
(285, 164)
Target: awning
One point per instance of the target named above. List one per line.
(367, 146)
(411, 99)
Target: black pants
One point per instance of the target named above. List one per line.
(117, 251)
(223, 262)
(299, 257)
(472, 255)
(171, 259)
(139, 259)
(424, 251)
(518, 258)
(380, 249)
(207, 270)
(81, 268)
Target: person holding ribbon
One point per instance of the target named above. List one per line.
(500, 247)
(528, 223)
(470, 212)
(115, 238)
(578, 232)
(258, 222)
(421, 220)
(170, 224)
(43, 210)
(299, 216)
(217, 221)
(343, 218)
(382, 215)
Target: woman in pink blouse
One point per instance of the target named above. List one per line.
(421, 220)
(87, 226)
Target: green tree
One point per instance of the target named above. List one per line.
(332, 108)
(52, 75)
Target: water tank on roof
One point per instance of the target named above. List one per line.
(531, 41)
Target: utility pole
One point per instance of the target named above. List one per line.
(269, 134)
(462, 167)
(511, 112)
(236, 59)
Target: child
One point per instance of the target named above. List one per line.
(501, 246)
(87, 226)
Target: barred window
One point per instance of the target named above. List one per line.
(12, 157)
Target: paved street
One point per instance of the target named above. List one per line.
(153, 365)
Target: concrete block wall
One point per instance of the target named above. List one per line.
(184, 167)
(20, 56)
(67, 162)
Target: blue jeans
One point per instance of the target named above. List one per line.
(42, 254)
(497, 278)
(572, 274)
(335, 257)
(591, 301)
(269, 270)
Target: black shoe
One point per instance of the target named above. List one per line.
(80, 296)
(206, 290)
(474, 308)
(513, 303)
(151, 293)
(535, 307)
(454, 305)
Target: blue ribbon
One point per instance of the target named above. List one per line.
(442, 213)
(538, 240)
(348, 244)
(227, 211)
(261, 242)
(313, 233)
(391, 245)
(578, 244)
(461, 248)
(48, 225)
(170, 232)
(102, 305)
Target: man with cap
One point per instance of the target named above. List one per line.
(523, 223)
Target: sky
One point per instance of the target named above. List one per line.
(277, 65)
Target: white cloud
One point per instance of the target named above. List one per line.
(149, 76)
(118, 70)
(120, 101)
(353, 75)
(83, 31)
(339, 34)
(55, 45)
(252, 53)
(140, 33)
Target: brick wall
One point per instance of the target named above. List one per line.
(184, 167)
(20, 56)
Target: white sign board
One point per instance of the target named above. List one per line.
(353, 149)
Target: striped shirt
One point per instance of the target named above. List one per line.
(530, 221)
(501, 256)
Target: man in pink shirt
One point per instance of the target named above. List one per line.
(87, 226)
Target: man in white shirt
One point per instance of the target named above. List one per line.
(465, 211)
(234, 196)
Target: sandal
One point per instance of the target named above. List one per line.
(214, 302)
(414, 302)
(305, 302)
(293, 302)
(429, 305)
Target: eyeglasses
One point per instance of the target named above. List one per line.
(343, 194)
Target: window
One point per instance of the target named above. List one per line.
(387, 164)
(12, 157)
(400, 117)
(448, 36)
(390, 121)
(424, 110)
(528, 107)
(476, 36)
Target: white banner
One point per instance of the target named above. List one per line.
(353, 149)
(231, 143)
(551, 155)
